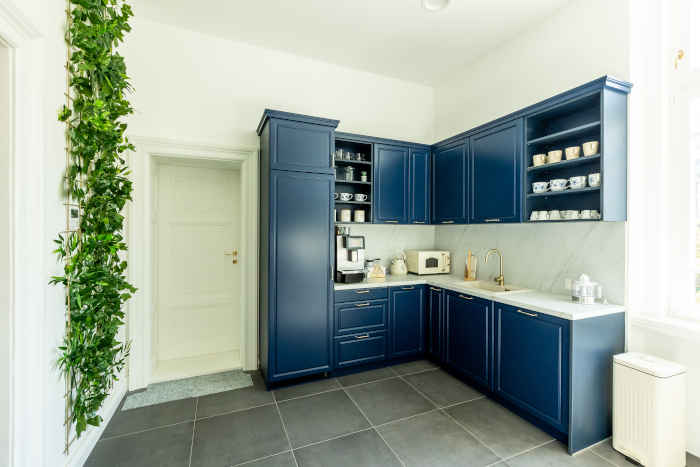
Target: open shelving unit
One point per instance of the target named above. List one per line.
(570, 123)
(356, 185)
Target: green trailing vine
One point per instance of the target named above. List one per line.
(97, 190)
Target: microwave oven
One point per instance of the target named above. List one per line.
(428, 261)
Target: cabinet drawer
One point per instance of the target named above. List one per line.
(351, 318)
(360, 295)
(359, 349)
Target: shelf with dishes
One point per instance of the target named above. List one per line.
(548, 167)
(353, 182)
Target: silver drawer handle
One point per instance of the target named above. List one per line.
(534, 315)
(363, 336)
(448, 222)
(392, 222)
(466, 297)
(492, 220)
(418, 222)
(437, 290)
(362, 291)
(362, 304)
(407, 288)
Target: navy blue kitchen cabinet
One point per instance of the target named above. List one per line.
(495, 157)
(406, 320)
(435, 324)
(299, 142)
(531, 363)
(296, 251)
(360, 349)
(359, 317)
(419, 186)
(468, 336)
(390, 204)
(449, 183)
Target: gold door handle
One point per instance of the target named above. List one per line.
(362, 291)
(466, 297)
(407, 288)
(362, 304)
(363, 336)
(437, 290)
(448, 222)
(534, 315)
(234, 254)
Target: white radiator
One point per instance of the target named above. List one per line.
(649, 414)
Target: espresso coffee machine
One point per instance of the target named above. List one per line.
(349, 256)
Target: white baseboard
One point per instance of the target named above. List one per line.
(81, 449)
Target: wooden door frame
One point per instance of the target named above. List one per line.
(140, 239)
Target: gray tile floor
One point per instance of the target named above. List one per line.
(407, 415)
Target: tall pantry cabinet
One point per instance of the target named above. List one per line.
(296, 250)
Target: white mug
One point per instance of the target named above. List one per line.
(534, 215)
(554, 215)
(577, 182)
(594, 179)
(360, 197)
(572, 152)
(586, 214)
(554, 156)
(558, 184)
(539, 159)
(345, 196)
(590, 148)
(359, 215)
(570, 214)
(540, 187)
(345, 215)
(543, 216)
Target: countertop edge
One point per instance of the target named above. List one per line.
(518, 299)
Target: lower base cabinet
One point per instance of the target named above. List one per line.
(434, 325)
(406, 321)
(531, 363)
(468, 336)
(360, 349)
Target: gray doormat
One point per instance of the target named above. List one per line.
(186, 388)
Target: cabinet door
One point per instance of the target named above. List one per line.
(419, 186)
(449, 177)
(390, 187)
(531, 363)
(406, 315)
(301, 146)
(360, 349)
(300, 300)
(468, 325)
(435, 324)
(496, 163)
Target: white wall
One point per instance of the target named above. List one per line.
(585, 40)
(199, 88)
(5, 256)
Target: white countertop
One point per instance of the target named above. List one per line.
(560, 306)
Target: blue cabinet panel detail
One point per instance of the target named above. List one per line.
(449, 184)
(435, 324)
(360, 349)
(468, 328)
(357, 317)
(390, 204)
(406, 308)
(419, 186)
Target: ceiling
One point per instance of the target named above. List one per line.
(397, 38)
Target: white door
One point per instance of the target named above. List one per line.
(198, 313)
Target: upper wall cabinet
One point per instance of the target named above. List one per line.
(419, 186)
(390, 203)
(449, 180)
(495, 160)
(300, 143)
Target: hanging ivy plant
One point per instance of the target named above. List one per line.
(97, 189)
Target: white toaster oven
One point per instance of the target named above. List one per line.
(428, 261)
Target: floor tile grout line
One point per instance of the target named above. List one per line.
(138, 432)
(375, 430)
(444, 412)
(262, 458)
(403, 419)
(513, 456)
(207, 417)
(194, 424)
(309, 395)
(604, 458)
(284, 428)
(316, 443)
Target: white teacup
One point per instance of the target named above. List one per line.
(586, 214)
(360, 197)
(345, 196)
(577, 182)
(539, 159)
(535, 215)
(570, 214)
(554, 156)
(594, 179)
(554, 215)
(540, 187)
(558, 184)
(572, 152)
(542, 216)
(590, 148)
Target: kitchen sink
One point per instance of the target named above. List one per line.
(493, 287)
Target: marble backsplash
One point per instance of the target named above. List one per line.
(542, 256)
(385, 241)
